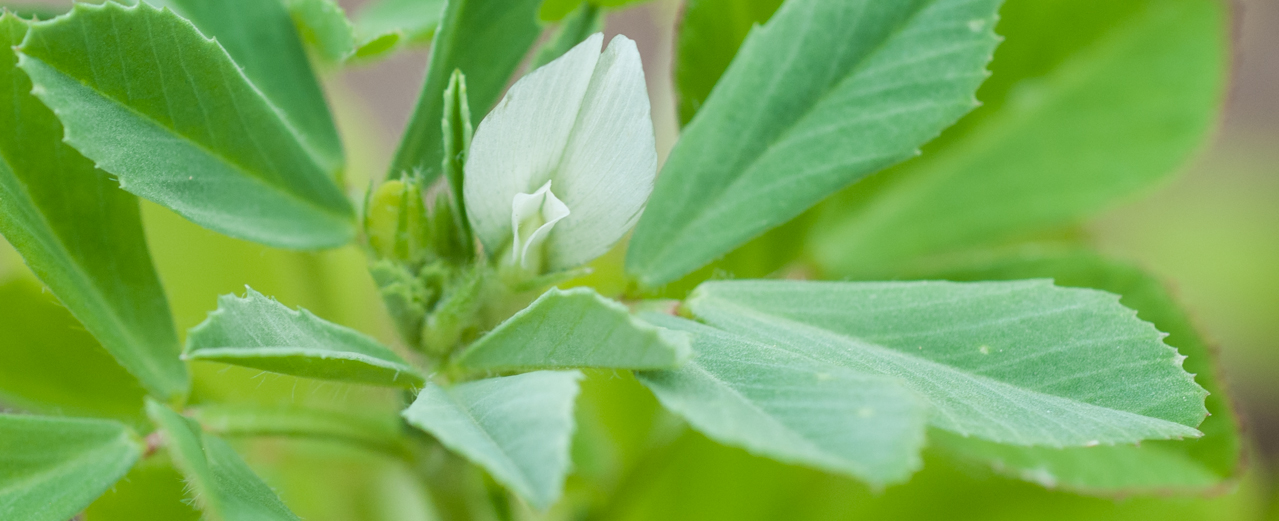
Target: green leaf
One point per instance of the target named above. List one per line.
(1153, 467)
(575, 328)
(486, 40)
(458, 131)
(584, 21)
(1090, 102)
(50, 365)
(152, 490)
(259, 332)
(178, 123)
(1022, 363)
(51, 468)
(792, 407)
(225, 488)
(385, 25)
(827, 92)
(375, 431)
(261, 38)
(710, 33)
(518, 428)
(323, 26)
(81, 235)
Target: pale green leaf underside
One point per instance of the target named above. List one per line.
(50, 365)
(518, 428)
(1109, 119)
(1152, 467)
(486, 40)
(791, 407)
(51, 468)
(324, 27)
(825, 93)
(262, 39)
(221, 483)
(168, 113)
(80, 234)
(575, 328)
(256, 331)
(1023, 363)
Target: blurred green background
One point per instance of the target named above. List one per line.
(1212, 233)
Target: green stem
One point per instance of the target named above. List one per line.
(253, 420)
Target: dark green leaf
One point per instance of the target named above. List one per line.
(1090, 102)
(51, 468)
(486, 40)
(1023, 363)
(50, 365)
(575, 328)
(584, 21)
(178, 123)
(792, 407)
(262, 39)
(709, 34)
(80, 234)
(225, 488)
(517, 428)
(256, 331)
(1154, 466)
(827, 92)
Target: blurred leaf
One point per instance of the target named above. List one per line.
(575, 328)
(486, 40)
(558, 10)
(792, 407)
(709, 35)
(323, 25)
(517, 428)
(1022, 363)
(81, 235)
(225, 488)
(1197, 465)
(699, 480)
(51, 468)
(262, 39)
(255, 331)
(826, 93)
(182, 126)
(1090, 102)
(384, 25)
(50, 365)
(152, 490)
(585, 20)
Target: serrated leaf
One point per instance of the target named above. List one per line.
(825, 93)
(1022, 363)
(791, 407)
(575, 328)
(385, 25)
(181, 125)
(1090, 102)
(259, 332)
(50, 365)
(261, 37)
(323, 26)
(1153, 467)
(518, 428)
(710, 32)
(225, 488)
(81, 235)
(51, 468)
(486, 40)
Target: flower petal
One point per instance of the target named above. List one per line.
(543, 210)
(519, 143)
(606, 172)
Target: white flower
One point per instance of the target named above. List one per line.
(559, 171)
